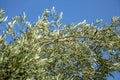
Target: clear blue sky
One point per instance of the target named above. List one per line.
(73, 10)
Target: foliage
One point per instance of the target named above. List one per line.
(50, 50)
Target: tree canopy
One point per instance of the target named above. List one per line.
(50, 50)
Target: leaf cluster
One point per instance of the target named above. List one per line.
(49, 50)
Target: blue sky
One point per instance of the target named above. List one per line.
(73, 10)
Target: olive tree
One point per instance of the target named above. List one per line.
(50, 50)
